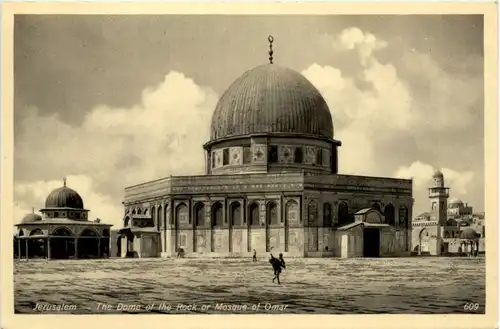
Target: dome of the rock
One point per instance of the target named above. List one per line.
(271, 99)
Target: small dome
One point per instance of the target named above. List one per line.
(455, 203)
(30, 218)
(438, 174)
(469, 234)
(64, 197)
(271, 99)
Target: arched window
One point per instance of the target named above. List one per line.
(139, 211)
(389, 214)
(199, 214)
(376, 206)
(153, 216)
(217, 215)
(298, 155)
(254, 214)
(272, 213)
(327, 215)
(235, 213)
(292, 212)
(159, 219)
(181, 213)
(133, 212)
(403, 217)
(343, 214)
(312, 214)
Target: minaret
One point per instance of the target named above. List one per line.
(438, 197)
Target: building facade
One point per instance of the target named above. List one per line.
(450, 228)
(271, 183)
(63, 231)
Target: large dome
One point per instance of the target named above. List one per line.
(271, 99)
(64, 197)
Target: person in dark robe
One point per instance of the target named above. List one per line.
(277, 264)
(254, 255)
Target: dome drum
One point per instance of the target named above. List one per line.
(272, 154)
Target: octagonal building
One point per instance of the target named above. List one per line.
(271, 183)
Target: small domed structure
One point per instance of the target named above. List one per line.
(64, 197)
(271, 99)
(31, 218)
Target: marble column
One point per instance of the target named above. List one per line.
(76, 247)
(19, 249)
(48, 248)
(99, 248)
(27, 252)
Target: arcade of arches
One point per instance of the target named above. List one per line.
(62, 243)
(241, 226)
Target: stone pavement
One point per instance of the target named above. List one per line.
(327, 286)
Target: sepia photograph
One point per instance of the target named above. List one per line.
(328, 164)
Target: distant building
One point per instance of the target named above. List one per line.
(271, 183)
(450, 228)
(63, 231)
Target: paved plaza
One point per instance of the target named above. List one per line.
(327, 286)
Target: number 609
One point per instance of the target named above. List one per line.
(471, 306)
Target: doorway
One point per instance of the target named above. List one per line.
(371, 242)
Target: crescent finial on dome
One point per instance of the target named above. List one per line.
(64, 180)
(271, 40)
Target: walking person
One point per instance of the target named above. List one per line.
(254, 255)
(278, 264)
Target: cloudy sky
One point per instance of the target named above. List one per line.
(111, 101)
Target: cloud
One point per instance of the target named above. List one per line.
(364, 43)
(389, 116)
(411, 103)
(116, 147)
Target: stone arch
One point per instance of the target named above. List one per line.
(89, 232)
(126, 221)
(235, 211)
(36, 231)
(217, 218)
(327, 215)
(343, 213)
(272, 213)
(312, 213)
(62, 243)
(139, 211)
(424, 240)
(181, 213)
(253, 212)
(62, 231)
(20, 233)
(376, 206)
(389, 214)
(199, 214)
(134, 211)
(88, 243)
